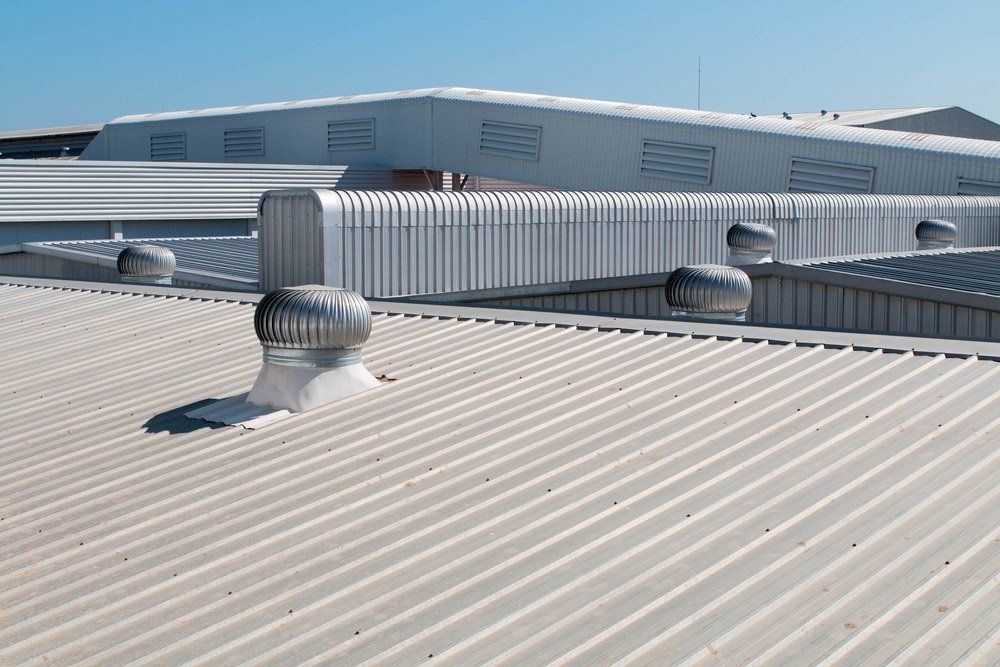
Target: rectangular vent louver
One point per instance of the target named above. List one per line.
(351, 135)
(510, 140)
(244, 142)
(969, 187)
(167, 146)
(818, 176)
(677, 162)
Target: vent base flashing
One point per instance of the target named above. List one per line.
(746, 257)
(301, 388)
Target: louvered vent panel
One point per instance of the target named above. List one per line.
(167, 146)
(350, 135)
(244, 142)
(677, 162)
(509, 140)
(818, 176)
(969, 187)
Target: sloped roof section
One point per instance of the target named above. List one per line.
(525, 490)
(855, 116)
(228, 258)
(967, 269)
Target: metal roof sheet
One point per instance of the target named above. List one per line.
(524, 491)
(51, 131)
(855, 116)
(967, 269)
(764, 126)
(229, 256)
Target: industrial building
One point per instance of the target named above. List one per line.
(561, 142)
(52, 142)
(309, 382)
(950, 121)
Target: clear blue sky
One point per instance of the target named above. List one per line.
(90, 61)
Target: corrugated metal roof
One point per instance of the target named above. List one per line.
(511, 100)
(855, 116)
(51, 131)
(230, 256)
(525, 492)
(967, 270)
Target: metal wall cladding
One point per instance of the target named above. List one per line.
(781, 301)
(404, 243)
(583, 144)
(35, 194)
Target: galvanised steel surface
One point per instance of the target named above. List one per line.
(146, 261)
(398, 243)
(568, 143)
(42, 200)
(752, 237)
(940, 231)
(531, 489)
(708, 288)
(313, 317)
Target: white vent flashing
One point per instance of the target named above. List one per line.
(301, 388)
(311, 338)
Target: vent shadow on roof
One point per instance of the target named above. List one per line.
(677, 162)
(510, 140)
(350, 135)
(244, 142)
(808, 175)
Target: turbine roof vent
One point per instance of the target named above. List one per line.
(708, 290)
(751, 237)
(322, 322)
(935, 230)
(146, 263)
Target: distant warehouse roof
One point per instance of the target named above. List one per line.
(570, 143)
(529, 488)
(228, 262)
(949, 121)
(50, 142)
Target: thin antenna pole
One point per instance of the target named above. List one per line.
(699, 83)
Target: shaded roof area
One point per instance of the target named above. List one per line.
(529, 488)
(227, 258)
(855, 116)
(968, 270)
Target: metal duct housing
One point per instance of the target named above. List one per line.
(751, 237)
(937, 231)
(312, 325)
(146, 263)
(708, 289)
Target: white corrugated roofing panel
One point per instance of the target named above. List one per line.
(524, 492)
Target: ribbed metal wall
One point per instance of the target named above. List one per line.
(399, 243)
(781, 300)
(34, 194)
(584, 144)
